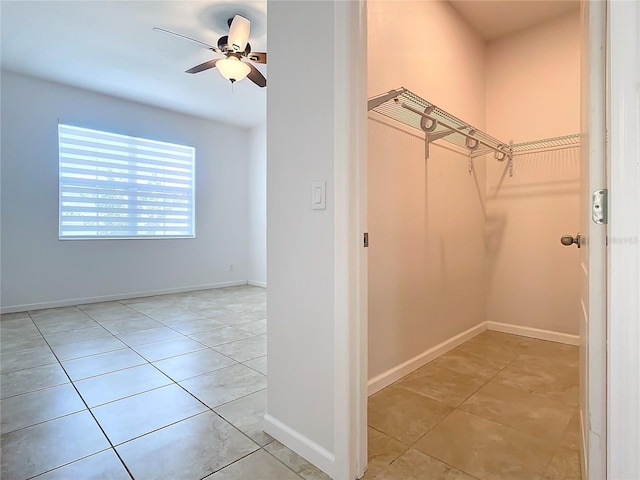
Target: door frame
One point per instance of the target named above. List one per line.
(593, 257)
(350, 222)
(623, 357)
(623, 276)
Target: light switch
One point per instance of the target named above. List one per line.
(318, 195)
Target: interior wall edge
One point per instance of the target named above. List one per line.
(394, 374)
(257, 205)
(301, 444)
(119, 296)
(256, 283)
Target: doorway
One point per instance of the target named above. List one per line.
(492, 259)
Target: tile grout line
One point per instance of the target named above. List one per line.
(208, 408)
(457, 408)
(130, 348)
(89, 409)
(485, 382)
(90, 413)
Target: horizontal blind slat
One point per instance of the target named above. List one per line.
(70, 211)
(148, 194)
(120, 154)
(115, 188)
(87, 133)
(71, 205)
(80, 159)
(124, 177)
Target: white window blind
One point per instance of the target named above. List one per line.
(116, 186)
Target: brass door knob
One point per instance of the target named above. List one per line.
(568, 240)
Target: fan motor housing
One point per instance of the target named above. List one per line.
(223, 44)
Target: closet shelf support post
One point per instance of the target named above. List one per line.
(510, 156)
(430, 137)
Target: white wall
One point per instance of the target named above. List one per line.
(316, 132)
(426, 219)
(257, 191)
(300, 241)
(39, 270)
(533, 92)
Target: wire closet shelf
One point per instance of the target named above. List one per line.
(414, 111)
(547, 144)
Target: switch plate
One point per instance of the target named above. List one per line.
(319, 195)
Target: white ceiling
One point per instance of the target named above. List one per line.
(496, 18)
(110, 47)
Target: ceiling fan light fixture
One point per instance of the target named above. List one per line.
(232, 68)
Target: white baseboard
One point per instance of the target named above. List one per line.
(255, 283)
(303, 446)
(121, 296)
(534, 333)
(396, 373)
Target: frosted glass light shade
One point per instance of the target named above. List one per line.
(233, 69)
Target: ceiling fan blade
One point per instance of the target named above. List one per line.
(256, 77)
(203, 66)
(257, 57)
(239, 31)
(202, 44)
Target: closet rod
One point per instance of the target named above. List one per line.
(456, 130)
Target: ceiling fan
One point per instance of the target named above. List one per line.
(235, 48)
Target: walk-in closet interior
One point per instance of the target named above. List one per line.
(473, 178)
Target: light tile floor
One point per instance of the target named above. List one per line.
(166, 387)
(498, 407)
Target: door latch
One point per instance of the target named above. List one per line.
(365, 240)
(599, 209)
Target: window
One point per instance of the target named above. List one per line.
(115, 186)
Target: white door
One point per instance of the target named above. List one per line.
(593, 381)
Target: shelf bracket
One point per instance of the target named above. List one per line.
(431, 137)
(428, 125)
(390, 95)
